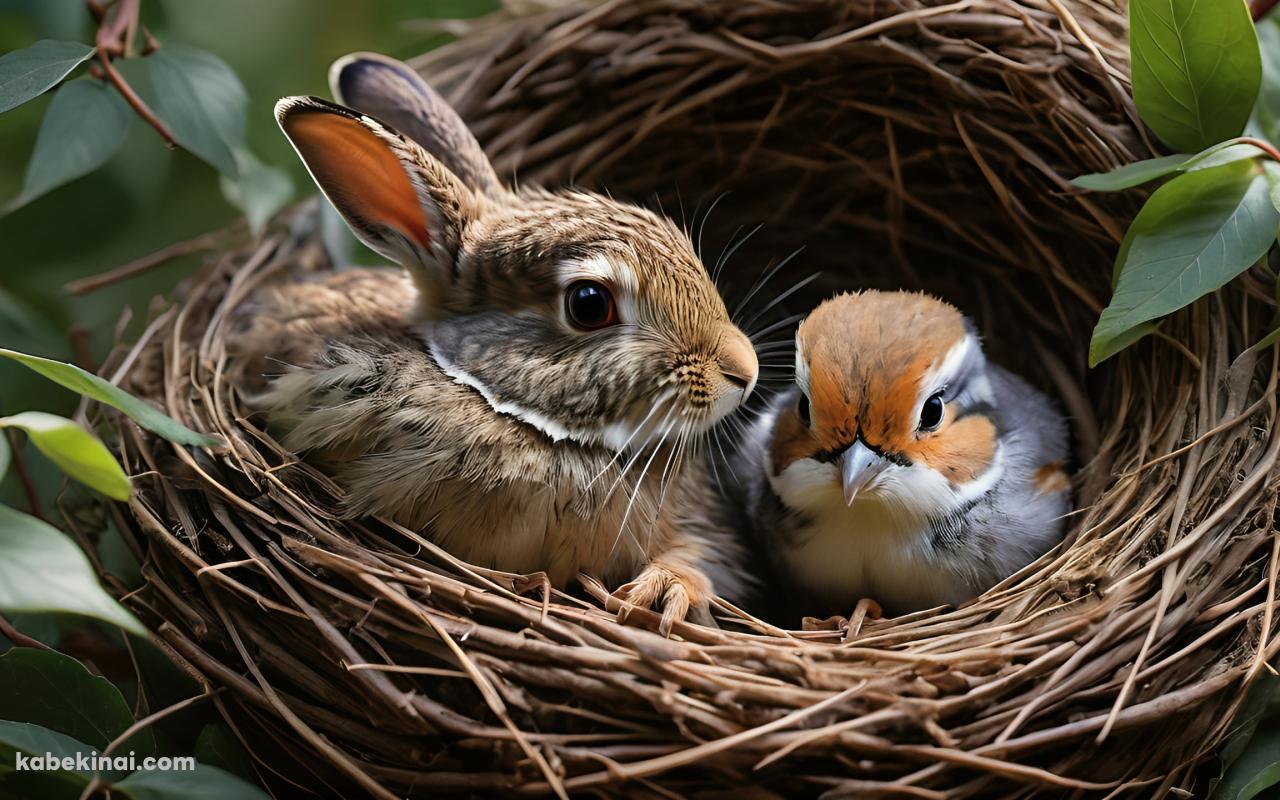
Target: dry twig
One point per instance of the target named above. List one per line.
(942, 134)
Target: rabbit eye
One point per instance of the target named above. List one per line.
(802, 409)
(590, 306)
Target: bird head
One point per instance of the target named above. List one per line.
(894, 407)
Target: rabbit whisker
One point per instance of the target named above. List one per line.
(657, 448)
(775, 301)
(639, 453)
(658, 403)
(765, 278)
(785, 343)
(725, 460)
(702, 226)
(715, 271)
(782, 323)
(715, 469)
(728, 252)
(677, 452)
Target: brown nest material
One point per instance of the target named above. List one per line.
(902, 143)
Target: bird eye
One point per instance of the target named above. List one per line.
(802, 408)
(590, 306)
(931, 414)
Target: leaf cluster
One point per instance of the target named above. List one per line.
(1202, 84)
(1206, 80)
(192, 98)
(78, 713)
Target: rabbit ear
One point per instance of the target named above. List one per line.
(393, 92)
(396, 198)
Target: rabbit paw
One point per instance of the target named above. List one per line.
(681, 592)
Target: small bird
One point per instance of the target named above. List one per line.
(903, 466)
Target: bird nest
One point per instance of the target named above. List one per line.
(901, 143)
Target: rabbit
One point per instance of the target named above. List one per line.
(530, 390)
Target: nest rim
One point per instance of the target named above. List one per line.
(1159, 601)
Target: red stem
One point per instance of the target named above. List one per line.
(24, 476)
(80, 346)
(1263, 145)
(131, 97)
(18, 638)
(117, 27)
(1260, 8)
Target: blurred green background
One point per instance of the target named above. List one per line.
(146, 196)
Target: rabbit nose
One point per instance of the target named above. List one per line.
(738, 362)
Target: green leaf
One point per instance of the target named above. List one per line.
(75, 450)
(1194, 234)
(46, 628)
(5, 456)
(41, 570)
(95, 388)
(1139, 172)
(52, 689)
(218, 747)
(86, 122)
(1256, 769)
(202, 783)
(28, 73)
(259, 192)
(202, 102)
(37, 742)
(1266, 114)
(1196, 69)
(1120, 342)
(1274, 335)
(25, 737)
(1272, 170)
(1127, 176)
(1256, 707)
(1268, 340)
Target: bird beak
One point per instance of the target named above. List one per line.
(858, 467)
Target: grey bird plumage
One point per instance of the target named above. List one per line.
(903, 466)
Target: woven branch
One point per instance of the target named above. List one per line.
(901, 143)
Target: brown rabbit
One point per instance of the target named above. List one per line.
(531, 394)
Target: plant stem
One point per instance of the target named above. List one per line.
(131, 97)
(115, 30)
(1259, 8)
(1263, 145)
(80, 346)
(117, 27)
(18, 638)
(24, 476)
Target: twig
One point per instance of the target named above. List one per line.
(1261, 8)
(148, 262)
(24, 476)
(117, 27)
(19, 638)
(80, 346)
(137, 103)
(98, 782)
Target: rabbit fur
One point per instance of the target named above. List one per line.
(456, 399)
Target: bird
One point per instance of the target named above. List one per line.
(902, 466)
